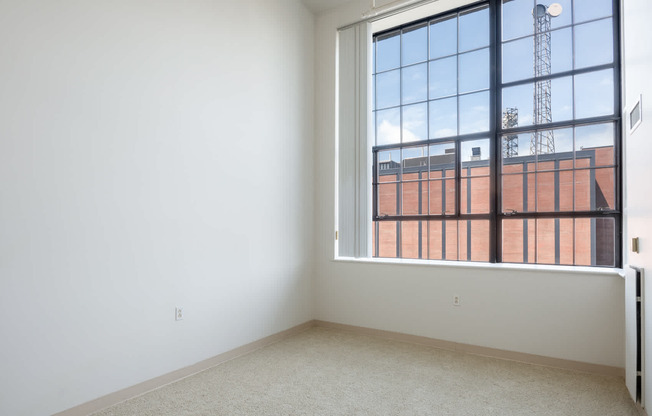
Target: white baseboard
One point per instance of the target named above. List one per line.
(485, 351)
(157, 382)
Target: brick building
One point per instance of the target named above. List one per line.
(556, 182)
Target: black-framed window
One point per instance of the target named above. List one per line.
(497, 135)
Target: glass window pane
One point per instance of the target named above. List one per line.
(415, 122)
(518, 60)
(565, 240)
(594, 94)
(594, 145)
(518, 56)
(565, 18)
(520, 98)
(415, 83)
(518, 240)
(517, 18)
(415, 45)
(387, 195)
(561, 99)
(584, 10)
(604, 242)
(442, 240)
(388, 165)
(515, 147)
(474, 112)
(473, 240)
(561, 50)
(443, 118)
(415, 163)
(561, 149)
(475, 157)
(474, 71)
(595, 242)
(443, 77)
(388, 126)
(584, 252)
(415, 198)
(442, 160)
(547, 197)
(443, 37)
(474, 29)
(566, 180)
(595, 189)
(388, 89)
(388, 51)
(474, 195)
(518, 193)
(605, 190)
(545, 240)
(414, 239)
(387, 237)
(594, 43)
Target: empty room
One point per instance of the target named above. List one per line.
(325, 207)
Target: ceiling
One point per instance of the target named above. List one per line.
(318, 6)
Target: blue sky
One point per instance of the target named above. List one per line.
(426, 95)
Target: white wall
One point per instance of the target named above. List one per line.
(637, 15)
(568, 315)
(152, 154)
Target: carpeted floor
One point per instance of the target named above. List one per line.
(331, 372)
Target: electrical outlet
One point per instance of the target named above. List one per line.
(178, 313)
(456, 300)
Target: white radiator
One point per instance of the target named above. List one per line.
(634, 324)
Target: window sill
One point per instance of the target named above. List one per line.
(487, 266)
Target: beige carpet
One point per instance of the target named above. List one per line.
(332, 372)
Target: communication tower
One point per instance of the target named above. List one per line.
(510, 142)
(543, 141)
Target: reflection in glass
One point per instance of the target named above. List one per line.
(415, 83)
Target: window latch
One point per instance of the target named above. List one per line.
(510, 212)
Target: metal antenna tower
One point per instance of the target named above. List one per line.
(510, 142)
(543, 141)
